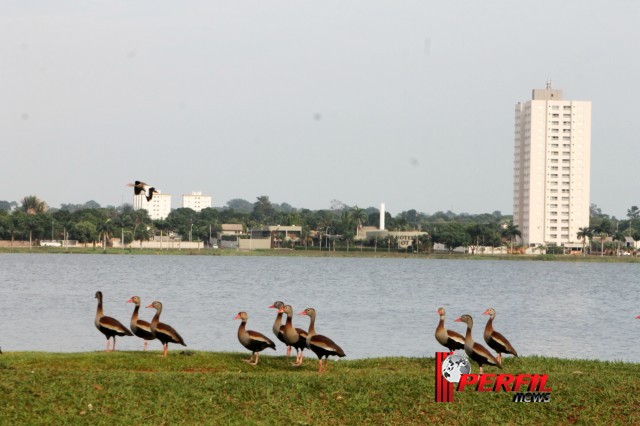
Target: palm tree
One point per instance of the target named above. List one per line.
(583, 234)
(358, 216)
(602, 236)
(619, 237)
(105, 229)
(33, 205)
(510, 231)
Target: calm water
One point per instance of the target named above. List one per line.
(371, 307)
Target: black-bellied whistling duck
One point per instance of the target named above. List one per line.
(140, 327)
(294, 337)
(476, 351)
(278, 327)
(321, 345)
(252, 340)
(450, 339)
(108, 326)
(163, 332)
(495, 340)
(138, 187)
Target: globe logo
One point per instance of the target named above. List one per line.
(454, 366)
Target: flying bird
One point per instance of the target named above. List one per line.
(139, 187)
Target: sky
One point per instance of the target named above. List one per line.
(410, 103)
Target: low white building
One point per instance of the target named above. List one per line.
(196, 201)
(159, 207)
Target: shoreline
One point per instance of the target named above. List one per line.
(355, 254)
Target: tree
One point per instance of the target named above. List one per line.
(633, 213)
(452, 235)
(105, 230)
(511, 231)
(84, 232)
(33, 205)
(240, 205)
(620, 238)
(583, 234)
(602, 236)
(7, 206)
(358, 217)
(262, 210)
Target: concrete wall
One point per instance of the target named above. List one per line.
(255, 243)
(9, 243)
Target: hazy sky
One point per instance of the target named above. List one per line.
(410, 103)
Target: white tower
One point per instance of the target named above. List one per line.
(382, 216)
(551, 168)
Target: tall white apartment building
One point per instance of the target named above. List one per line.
(159, 207)
(551, 168)
(196, 201)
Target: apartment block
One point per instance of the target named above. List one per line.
(551, 170)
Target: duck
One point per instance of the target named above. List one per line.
(278, 327)
(495, 340)
(476, 351)
(294, 337)
(320, 345)
(252, 340)
(138, 187)
(450, 339)
(108, 326)
(164, 332)
(140, 327)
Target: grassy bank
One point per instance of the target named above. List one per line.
(317, 253)
(219, 388)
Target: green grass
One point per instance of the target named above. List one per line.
(219, 388)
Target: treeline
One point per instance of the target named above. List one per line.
(31, 219)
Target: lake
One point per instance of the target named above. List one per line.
(370, 307)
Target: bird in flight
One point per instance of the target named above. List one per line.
(138, 187)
